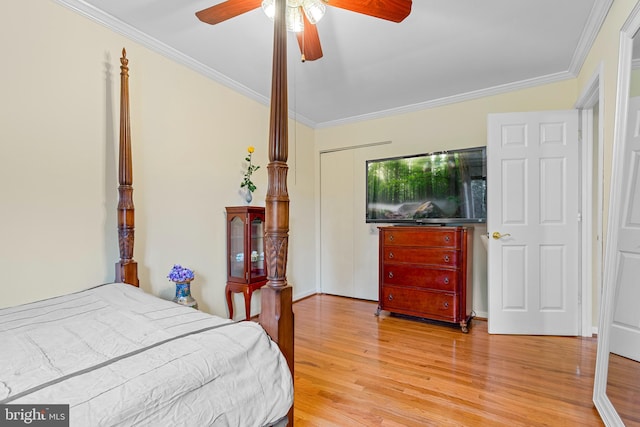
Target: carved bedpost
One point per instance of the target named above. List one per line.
(126, 268)
(276, 298)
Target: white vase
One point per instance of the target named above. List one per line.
(248, 196)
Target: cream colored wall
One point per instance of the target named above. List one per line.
(59, 135)
(458, 125)
(464, 125)
(634, 86)
(604, 55)
(605, 52)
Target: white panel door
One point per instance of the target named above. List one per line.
(336, 223)
(533, 206)
(625, 330)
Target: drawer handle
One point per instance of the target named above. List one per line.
(391, 275)
(447, 239)
(446, 280)
(391, 237)
(446, 258)
(390, 254)
(446, 304)
(390, 297)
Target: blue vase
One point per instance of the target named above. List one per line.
(248, 196)
(183, 295)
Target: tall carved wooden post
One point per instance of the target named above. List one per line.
(126, 268)
(277, 314)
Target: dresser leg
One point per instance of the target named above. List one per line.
(465, 324)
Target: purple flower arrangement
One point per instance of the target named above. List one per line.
(180, 274)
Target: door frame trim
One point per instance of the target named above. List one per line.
(592, 94)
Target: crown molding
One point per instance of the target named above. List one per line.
(596, 18)
(468, 96)
(157, 46)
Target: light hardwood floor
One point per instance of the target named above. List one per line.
(623, 388)
(355, 369)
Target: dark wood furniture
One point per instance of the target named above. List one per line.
(246, 267)
(425, 271)
(126, 268)
(276, 316)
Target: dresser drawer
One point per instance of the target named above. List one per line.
(408, 275)
(415, 236)
(422, 303)
(421, 255)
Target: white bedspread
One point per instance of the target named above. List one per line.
(119, 356)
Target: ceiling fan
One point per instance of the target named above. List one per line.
(302, 15)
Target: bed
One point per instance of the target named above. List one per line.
(119, 356)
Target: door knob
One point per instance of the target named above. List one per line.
(496, 235)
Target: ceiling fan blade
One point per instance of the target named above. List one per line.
(391, 10)
(227, 10)
(309, 41)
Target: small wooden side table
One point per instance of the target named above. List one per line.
(247, 290)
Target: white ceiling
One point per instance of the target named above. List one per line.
(444, 51)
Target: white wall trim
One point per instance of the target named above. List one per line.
(355, 146)
(167, 51)
(592, 93)
(481, 93)
(586, 254)
(596, 18)
(298, 296)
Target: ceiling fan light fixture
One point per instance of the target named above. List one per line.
(294, 20)
(313, 9)
(269, 8)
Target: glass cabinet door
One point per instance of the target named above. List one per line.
(246, 264)
(236, 248)
(245, 245)
(257, 247)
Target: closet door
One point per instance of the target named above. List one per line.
(336, 223)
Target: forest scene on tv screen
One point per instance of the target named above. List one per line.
(449, 186)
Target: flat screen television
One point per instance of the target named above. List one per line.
(435, 188)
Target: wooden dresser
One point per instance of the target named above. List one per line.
(425, 271)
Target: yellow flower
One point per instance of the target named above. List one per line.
(251, 168)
